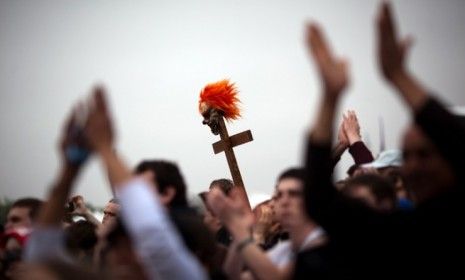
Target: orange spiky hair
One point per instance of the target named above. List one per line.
(222, 96)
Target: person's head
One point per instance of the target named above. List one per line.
(374, 190)
(289, 200)
(264, 212)
(110, 211)
(12, 243)
(23, 213)
(167, 179)
(425, 171)
(81, 240)
(225, 185)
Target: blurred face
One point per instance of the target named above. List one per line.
(18, 217)
(363, 194)
(289, 203)
(110, 212)
(425, 170)
(167, 196)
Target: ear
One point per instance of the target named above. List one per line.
(168, 195)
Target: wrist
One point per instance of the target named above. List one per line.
(69, 171)
(343, 143)
(241, 234)
(330, 98)
(353, 139)
(398, 78)
(244, 243)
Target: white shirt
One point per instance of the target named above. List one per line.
(163, 253)
(282, 253)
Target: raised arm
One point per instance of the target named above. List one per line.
(319, 190)
(440, 125)
(154, 237)
(47, 241)
(80, 209)
(349, 137)
(391, 54)
(359, 152)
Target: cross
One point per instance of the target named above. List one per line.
(226, 145)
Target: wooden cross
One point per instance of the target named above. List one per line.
(226, 145)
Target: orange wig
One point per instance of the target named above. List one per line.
(222, 96)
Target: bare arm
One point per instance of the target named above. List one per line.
(52, 212)
(99, 133)
(47, 241)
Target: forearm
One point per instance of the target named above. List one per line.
(91, 218)
(53, 210)
(319, 191)
(260, 264)
(322, 130)
(233, 264)
(337, 152)
(164, 255)
(360, 153)
(410, 89)
(117, 171)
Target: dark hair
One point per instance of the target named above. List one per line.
(225, 185)
(33, 204)
(167, 174)
(294, 172)
(81, 236)
(114, 200)
(381, 187)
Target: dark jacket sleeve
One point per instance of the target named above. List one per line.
(360, 153)
(446, 132)
(336, 213)
(319, 190)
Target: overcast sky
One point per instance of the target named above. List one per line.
(155, 57)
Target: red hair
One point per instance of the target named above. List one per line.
(221, 95)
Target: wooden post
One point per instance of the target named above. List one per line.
(227, 144)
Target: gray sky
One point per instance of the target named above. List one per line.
(155, 57)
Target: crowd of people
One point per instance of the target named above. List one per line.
(396, 215)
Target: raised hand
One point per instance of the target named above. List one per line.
(342, 136)
(232, 212)
(79, 206)
(391, 50)
(391, 54)
(73, 147)
(333, 71)
(351, 127)
(98, 129)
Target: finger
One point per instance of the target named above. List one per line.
(405, 45)
(99, 96)
(70, 119)
(236, 199)
(351, 115)
(345, 116)
(387, 24)
(215, 199)
(318, 45)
